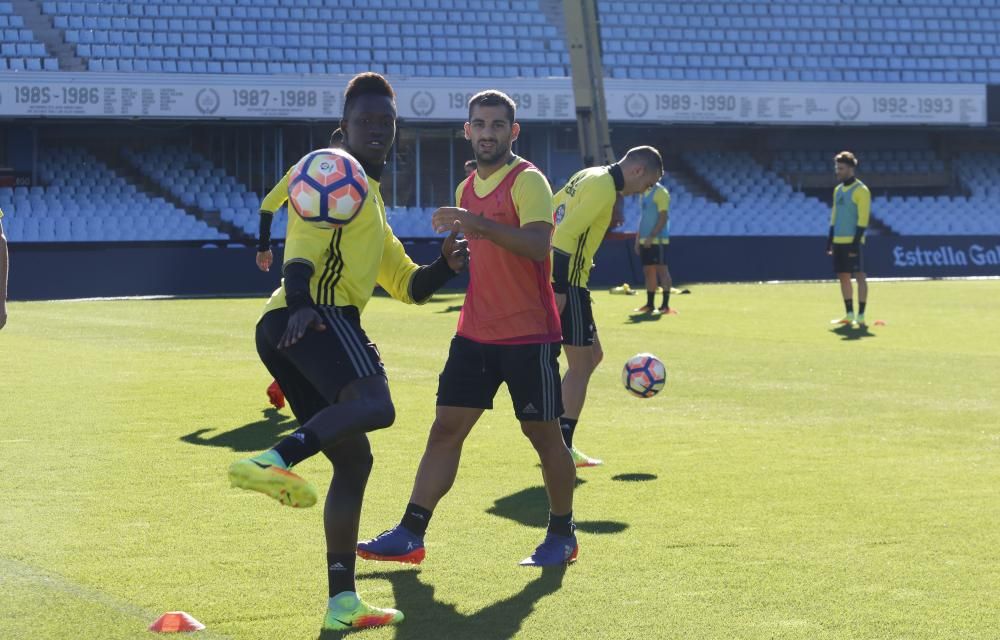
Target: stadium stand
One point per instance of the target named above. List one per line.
(874, 161)
(975, 214)
(756, 201)
(196, 182)
(84, 200)
(412, 38)
(19, 50)
(798, 40)
(934, 41)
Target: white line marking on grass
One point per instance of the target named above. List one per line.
(11, 570)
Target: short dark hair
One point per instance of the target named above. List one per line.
(471, 164)
(368, 83)
(493, 98)
(846, 157)
(648, 156)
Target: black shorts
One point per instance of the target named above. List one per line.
(653, 254)
(577, 318)
(474, 371)
(314, 370)
(844, 263)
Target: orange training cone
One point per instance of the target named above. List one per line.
(880, 323)
(174, 621)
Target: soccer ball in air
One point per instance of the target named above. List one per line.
(644, 375)
(327, 188)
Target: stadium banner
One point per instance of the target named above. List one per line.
(284, 97)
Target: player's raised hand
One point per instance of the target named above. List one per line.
(264, 260)
(298, 323)
(454, 250)
(445, 218)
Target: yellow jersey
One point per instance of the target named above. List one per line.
(276, 197)
(531, 192)
(583, 211)
(348, 262)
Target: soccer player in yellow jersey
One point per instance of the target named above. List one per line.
(311, 340)
(852, 205)
(651, 242)
(274, 200)
(4, 264)
(583, 211)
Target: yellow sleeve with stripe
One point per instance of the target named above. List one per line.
(277, 196)
(395, 273)
(532, 197)
(594, 197)
(306, 243)
(863, 199)
(662, 199)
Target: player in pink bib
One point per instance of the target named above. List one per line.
(508, 333)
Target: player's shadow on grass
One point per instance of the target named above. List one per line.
(427, 618)
(636, 318)
(634, 477)
(847, 332)
(250, 437)
(450, 309)
(530, 507)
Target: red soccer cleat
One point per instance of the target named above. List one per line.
(276, 396)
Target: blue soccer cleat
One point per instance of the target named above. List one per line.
(398, 544)
(554, 551)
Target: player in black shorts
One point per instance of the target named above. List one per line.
(584, 209)
(849, 216)
(311, 340)
(508, 333)
(651, 242)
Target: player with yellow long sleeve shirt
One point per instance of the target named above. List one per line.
(849, 217)
(311, 340)
(583, 211)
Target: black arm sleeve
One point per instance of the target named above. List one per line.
(560, 271)
(297, 276)
(264, 234)
(829, 238)
(858, 234)
(430, 278)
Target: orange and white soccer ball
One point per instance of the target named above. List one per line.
(644, 375)
(327, 188)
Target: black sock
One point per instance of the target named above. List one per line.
(561, 525)
(650, 295)
(861, 307)
(849, 305)
(300, 445)
(340, 572)
(568, 427)
(416, 519)
(666, 298)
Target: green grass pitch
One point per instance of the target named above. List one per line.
(791, 482)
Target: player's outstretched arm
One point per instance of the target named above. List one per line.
(408, 282)
(532, 240)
